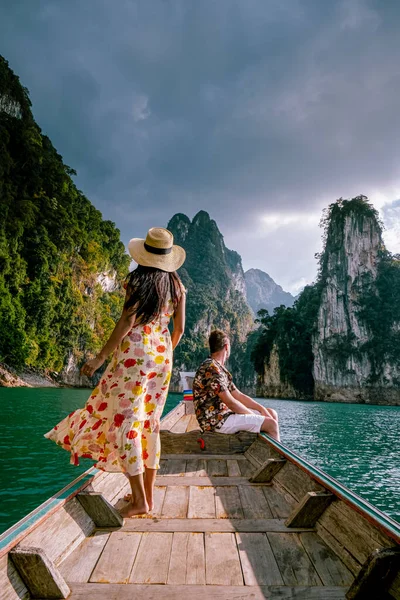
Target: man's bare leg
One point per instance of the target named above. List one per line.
(271, 427)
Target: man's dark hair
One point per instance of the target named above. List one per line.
(217, 340)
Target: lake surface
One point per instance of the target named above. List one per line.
(356, 444)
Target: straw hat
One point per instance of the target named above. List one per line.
(157, 250)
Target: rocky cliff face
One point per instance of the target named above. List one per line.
(272, 384)
(214, 278)
(263, 292)
(343, 367)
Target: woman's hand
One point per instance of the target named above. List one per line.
(91, 366)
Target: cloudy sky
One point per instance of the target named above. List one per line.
(261, 112)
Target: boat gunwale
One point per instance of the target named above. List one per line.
(370, 512)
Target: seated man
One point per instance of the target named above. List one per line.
(219, 405)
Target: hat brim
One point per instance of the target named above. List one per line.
(166, 262)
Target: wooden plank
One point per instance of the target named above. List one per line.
(246, 468)
(165, 480)
(267, 471)
(344, 555)
(394, 588)
(110, 486)
(222, 560)
(175, 467)
(296, 481)
(181, 425)
(258, 561)
(117, 558)
(210, 524)
(193, 424)
(187, 564)
(352, 531)
(217, 468)
(152, 561)
(309, 509)
(254, 503)
(204, 456)
(102, 513)
(62, 532)
(201, 503)
(176, 502)
(233, 468)
(39, 574)
(79, 565)
(196, 467)
(172, 417)
(178, 562)
(11, 585)
(93, 591)
(215, 443)
(328, 566)
(279, 501)
(376, 575)
(196, 560)
(259, 452)
(158, 499)
(227, 503)
(294, 564)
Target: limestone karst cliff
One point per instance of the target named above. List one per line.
(341, 339)
(263, 292)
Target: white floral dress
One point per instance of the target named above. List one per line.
(120, 423)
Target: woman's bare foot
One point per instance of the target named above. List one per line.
(150, 503)
(131, 510)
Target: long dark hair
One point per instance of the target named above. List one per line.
(147, 290)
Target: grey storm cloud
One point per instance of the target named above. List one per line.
(261, 112)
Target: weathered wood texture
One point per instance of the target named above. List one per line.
(394, 588)
(267, 471)
(309, 509)
(181, 425)
(257, 559)
(227, 503)
(11, 585)
(196, 467)
(116, 561)
(201, 503)
(79, 565)
(111, 485)
(152, 561)
(215, 443)
(187, 564)
(39, 574)
(62, 532)
(173, 417)
(329, 567)
(209, 523)
(203, 456)
(353, 534)
(192, 424)
(294, 563)
(102, 513)
(376, 575)
(202, 592)
(296, 482)
(175, 502)
(254, 502)
(174, 479)
(259, 452)
(222, 560)
(280, 502)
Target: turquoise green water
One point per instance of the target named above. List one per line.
(356, 444)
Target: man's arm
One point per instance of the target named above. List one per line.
(234, 405)
(248, 402)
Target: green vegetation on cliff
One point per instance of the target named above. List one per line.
(214, 278)
(54, 245)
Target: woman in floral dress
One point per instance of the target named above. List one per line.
(120, 423)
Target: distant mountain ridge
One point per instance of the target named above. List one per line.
(263, 292)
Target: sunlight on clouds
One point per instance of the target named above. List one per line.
(275, 221)
(389, 211)
(140, 109)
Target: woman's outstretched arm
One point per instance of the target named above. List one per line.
(125, 324)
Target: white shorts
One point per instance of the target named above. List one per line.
(235, 423)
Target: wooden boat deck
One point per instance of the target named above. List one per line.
(238, 520)
(209, 527)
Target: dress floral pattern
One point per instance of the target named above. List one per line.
(211, 379)
(120, 423)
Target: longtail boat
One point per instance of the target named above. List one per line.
(236, 517)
